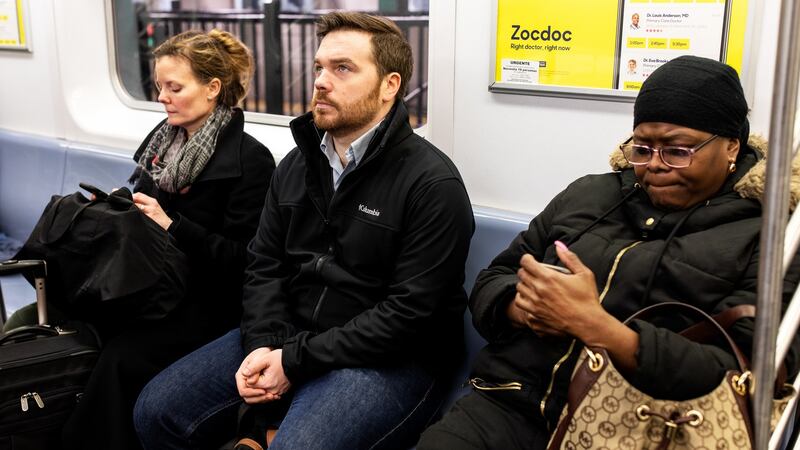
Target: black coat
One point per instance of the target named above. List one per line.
(214, 221)
(711, 262)
(369, 275)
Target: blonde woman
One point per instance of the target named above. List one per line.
(203, 180)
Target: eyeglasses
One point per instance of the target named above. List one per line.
(673, 156)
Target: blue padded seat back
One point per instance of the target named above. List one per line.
(31, 171)
(34, 168)
(494, 231)
(101, 168)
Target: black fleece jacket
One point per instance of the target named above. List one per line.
(368, 275)
(711, 262)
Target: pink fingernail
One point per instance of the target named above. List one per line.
(561, 245)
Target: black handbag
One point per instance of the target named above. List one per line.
(107, 261)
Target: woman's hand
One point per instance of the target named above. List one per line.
(553, 303)
(557, 304)
(150, 207)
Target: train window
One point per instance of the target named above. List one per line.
(281, 35)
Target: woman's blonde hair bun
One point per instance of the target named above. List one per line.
(216, 54)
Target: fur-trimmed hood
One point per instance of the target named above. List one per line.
(751, 185)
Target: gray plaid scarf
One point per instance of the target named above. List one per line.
(179, 171)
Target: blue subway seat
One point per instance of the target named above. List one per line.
(494, 231)
(32, 170)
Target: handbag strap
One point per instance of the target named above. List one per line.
(47, 236)
(582, 381)
(715, 326)
(120, 199)
(702, 332)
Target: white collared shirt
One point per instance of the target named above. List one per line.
(353, 154)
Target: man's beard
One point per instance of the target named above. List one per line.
(347, 119)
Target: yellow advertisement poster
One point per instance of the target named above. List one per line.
(12, 25)
(591, 46)
(557, 42)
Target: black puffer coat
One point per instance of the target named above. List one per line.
(710, 262)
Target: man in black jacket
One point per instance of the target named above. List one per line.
(353, 301)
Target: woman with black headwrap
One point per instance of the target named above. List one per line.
(679, 220)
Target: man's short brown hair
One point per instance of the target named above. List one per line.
(390, 48)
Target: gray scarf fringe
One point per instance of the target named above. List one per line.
(186, 166)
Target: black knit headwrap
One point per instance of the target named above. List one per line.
(698, 93)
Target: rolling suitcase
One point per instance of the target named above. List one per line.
(43, 370)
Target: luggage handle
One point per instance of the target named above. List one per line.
(37, 268)
(28, 333)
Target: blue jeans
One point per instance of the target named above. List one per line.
(189, 403)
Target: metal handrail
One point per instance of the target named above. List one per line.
(282, 47)
(776, 201)
(777, 436)
(788, 327)
(791, 318)
(228, 15)
(416, 92)
(207, 15)
(792, 241)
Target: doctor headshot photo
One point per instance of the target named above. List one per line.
(635, 21)
(631, 67)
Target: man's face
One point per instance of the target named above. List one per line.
(631, 65)
(635, 19)
(347, 89)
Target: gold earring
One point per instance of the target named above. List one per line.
(732, 167)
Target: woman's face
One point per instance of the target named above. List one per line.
(187, 101)
(675, 189)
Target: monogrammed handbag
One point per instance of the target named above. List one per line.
(604, 411)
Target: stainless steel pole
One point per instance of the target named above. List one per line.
(776, 202)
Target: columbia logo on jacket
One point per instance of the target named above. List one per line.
(372, 212)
